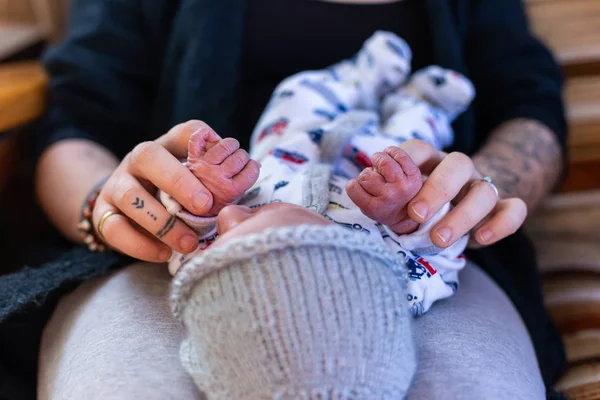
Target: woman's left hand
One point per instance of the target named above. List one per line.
(453, 177)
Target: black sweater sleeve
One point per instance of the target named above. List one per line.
(102, 76)
(515, 75)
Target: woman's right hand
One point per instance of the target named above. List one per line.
(141, 227)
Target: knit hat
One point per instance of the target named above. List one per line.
(305, 312)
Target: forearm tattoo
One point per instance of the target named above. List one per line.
(166, 227)
(523, 158)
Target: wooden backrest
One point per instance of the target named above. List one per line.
(46, 16)
(571, 28)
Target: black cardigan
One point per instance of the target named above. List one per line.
(131, 69)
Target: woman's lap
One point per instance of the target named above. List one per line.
(114, 338)
(474, 345)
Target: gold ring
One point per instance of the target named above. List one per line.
(103, 220)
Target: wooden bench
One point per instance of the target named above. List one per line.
(566, 231)
(15, 37)
(22, 99)
(571, 28)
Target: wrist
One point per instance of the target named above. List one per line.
(523, 158)
(85, 226)
(65, 175)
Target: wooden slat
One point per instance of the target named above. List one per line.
(572, 30)
(582, 97)
(16, 11)
(582, 176)
(14, 38)
(22, 93)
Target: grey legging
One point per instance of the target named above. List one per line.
(114, 338)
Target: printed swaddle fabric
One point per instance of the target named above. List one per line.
(340, 116)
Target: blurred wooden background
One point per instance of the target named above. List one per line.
(565, 231)
(25, 22)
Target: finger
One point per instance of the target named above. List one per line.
(409, 168)
(221, 150)
(387, 167)
(473, 243)
(444, 183)
(247, 176)
(476, 205)
(154, 163)
(507, 217)
(176, 140)
(119, 233)
(136, 203)
(199, 142)
(358, 195)
(371, 181)
(424, 155)
(235, 163)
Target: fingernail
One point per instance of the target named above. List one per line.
(420, 208)
(201, 199)
(485, 235)
(444, 234)
(164, 254)
(188, 242)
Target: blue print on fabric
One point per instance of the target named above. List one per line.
(251, 195)
(395, 48)
(281, 184)
(328, 94)
(453, 286)
(334, 74)
(316, 135)
(419, 268)
(284, 94)
(417, 309)
(370, 60)
(326, 114)
(369, 128)
(354, 227)
(289, 156)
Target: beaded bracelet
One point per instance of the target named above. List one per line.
(86, 224)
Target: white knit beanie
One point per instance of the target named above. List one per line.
(309, 312)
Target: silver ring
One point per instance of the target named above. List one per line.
(488, 180)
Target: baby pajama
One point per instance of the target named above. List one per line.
(321, 128)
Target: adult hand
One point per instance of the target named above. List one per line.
(453, 177)
(142, 227)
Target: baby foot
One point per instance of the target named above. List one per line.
(449, 91)
(382, 64)
(383, 192)
(225, 169)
